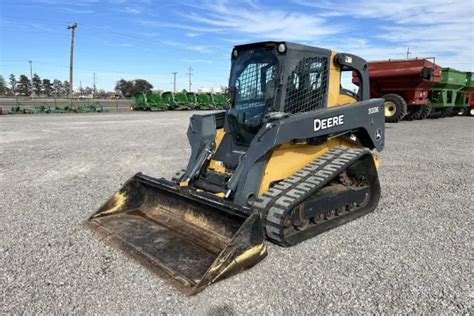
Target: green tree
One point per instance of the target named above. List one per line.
(57, 88)
(47, 87)
(141, 85)
(124, 86)
(13, 82)
(3, 86)
(36, 83)
(88, 91)
(130, 88)
(66, 86)
(24, 85)
(101, 94)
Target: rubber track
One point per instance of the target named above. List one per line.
(276, 204)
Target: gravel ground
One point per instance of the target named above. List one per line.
(412, 255)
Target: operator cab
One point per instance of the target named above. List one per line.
(253, 81)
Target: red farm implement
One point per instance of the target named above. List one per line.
(404, 84)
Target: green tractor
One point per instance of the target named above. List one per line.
(153, 102)
(100, 108)
(139, 102)
(58, 109)
(192, 99)
(444, 94)
(177, 101)
(85, 108)
(37, 109)
(220, 101)
(168, 100)
(182, 101)
(156, 102)
(91, 108)
(15, 110)
(204, 101)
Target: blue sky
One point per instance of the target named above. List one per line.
(151, 39)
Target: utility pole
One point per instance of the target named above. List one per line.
(94, 87)
(408, 53)
(190, 74)
(31, 70)
(31, 76)
(71, 27)
(174, 81)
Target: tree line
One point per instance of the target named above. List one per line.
(42, 87)
(57, 88)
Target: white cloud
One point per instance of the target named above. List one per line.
(66, 2)
(259, 21)
(197, 61)
(41, 27)
(443, 29)
(195, 48)
(190, 34)
(192, 28)
(79, 11)
(132, 10)
(401, 11)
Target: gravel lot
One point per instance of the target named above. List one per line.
(412, 255)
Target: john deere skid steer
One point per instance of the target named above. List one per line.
(292, 157)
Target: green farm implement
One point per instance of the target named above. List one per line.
(15, 110)
(464, 96)
(220, 101)
(444, 94)
(182, 102)
(192, 99)
(153, 102)
(204, 101)
(37, 109)
(58, 109)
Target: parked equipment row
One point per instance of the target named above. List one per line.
(415, 89)
(56, 109)
(178, 101)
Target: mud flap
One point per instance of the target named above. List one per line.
(189, 238)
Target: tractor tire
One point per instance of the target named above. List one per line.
(426, 111)
(395, 108)
(446, 112)
(436, 114)
(414, 113)
(462, 112)
(470, 111)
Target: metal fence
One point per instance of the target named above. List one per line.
(113, 105)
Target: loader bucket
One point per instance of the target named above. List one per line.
(189, 238)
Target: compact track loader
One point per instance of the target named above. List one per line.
(292, 157)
